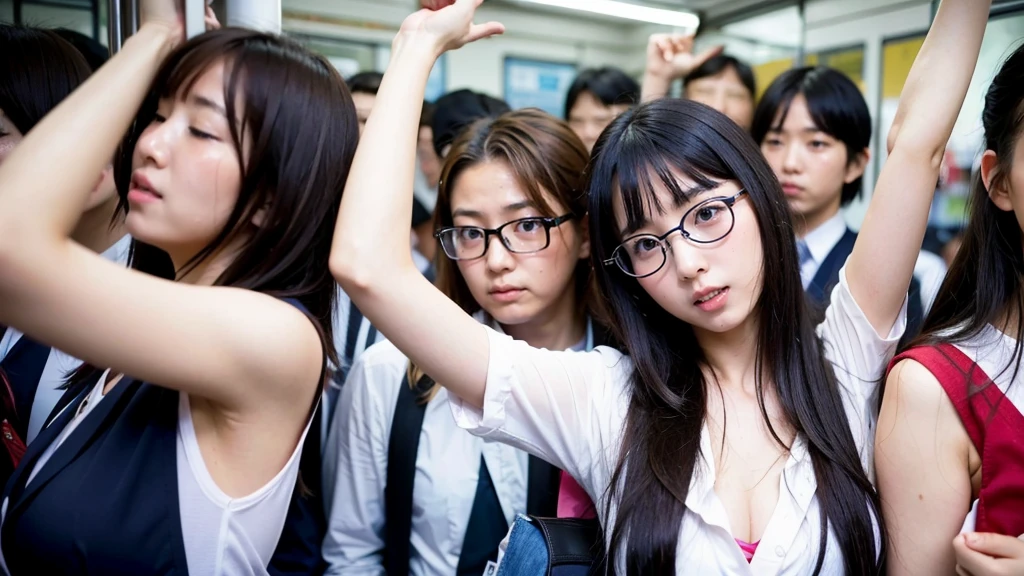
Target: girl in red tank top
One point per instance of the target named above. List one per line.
(950, 438)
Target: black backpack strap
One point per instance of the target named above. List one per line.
(828, 273)
(574, 544)
(355, 320)
(915, 312)
(403, 445)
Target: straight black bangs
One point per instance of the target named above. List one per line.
(646, 164)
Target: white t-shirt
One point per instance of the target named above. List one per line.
(569, 408)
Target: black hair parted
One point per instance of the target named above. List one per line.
(365, 83)
(835, 104)
(720, 63)
(611, 86)
(38, 69)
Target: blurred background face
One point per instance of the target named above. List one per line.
(726, 93)
(589, 117)
(364, 104)
(812, 166)
(430, 162)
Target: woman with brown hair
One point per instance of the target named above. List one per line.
(180, 450)
(403, 475)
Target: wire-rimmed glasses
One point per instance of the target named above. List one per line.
(644, 254)
(522, 236)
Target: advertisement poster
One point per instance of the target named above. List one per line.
(538, 84)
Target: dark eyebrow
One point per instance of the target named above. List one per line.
(207, 103)
(808, 130)
(518, 206)
(467, 213)
(515, 207)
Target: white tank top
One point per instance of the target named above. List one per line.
(223, 536)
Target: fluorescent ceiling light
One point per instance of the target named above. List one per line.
(628, 11)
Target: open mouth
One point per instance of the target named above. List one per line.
(711, 296)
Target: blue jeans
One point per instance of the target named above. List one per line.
(527, 553)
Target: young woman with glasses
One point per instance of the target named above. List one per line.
(736, 436)
(509, 219)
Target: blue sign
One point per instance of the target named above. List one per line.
(538, 84)
(438, 79)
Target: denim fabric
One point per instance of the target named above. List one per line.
(527, 552)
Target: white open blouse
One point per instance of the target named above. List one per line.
(569, 408)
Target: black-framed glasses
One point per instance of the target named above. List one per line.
(522, 236)
(644, 254)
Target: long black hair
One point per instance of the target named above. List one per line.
(300, 119)
(984, 283)
(835, 104)
(661, 442)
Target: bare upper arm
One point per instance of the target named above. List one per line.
(427, 326)
(235, 347)
(922, 462)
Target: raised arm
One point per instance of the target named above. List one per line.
(882, 263)
(669, 58)
(231, 346)
(371, 256)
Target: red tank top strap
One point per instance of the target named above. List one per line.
(995, 426)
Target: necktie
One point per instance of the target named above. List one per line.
(804, 254)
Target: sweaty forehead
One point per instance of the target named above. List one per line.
(493, 189)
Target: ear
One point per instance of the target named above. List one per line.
(994, 183)
(855, 167)
(584, 238)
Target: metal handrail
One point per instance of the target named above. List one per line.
(123, 20)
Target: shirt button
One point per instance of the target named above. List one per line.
(779, 551)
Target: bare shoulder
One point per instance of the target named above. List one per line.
(916, 403)
(911, 382)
